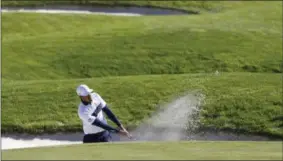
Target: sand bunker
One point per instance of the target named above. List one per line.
(173, 122)
(100, 10)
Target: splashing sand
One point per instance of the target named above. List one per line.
(170, 123)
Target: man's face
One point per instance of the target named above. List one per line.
(86, 98)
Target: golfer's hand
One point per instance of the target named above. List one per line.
(123, 131)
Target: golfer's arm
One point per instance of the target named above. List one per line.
(95, 121)
(111, 115)
(101, 124)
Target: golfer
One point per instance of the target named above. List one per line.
(90, 111)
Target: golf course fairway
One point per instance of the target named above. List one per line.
(153, 151)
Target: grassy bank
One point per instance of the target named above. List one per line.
(239, 101)
(63, 46)
(154, 150)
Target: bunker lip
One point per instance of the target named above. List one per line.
(22, 141)
(100, 9)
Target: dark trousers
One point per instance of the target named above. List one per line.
(103, 136)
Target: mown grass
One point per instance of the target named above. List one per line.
(63, 46)
(43, 56)
(153, 151)
(240, 101)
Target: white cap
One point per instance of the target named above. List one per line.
(83, 90)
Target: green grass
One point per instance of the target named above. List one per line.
(248, 39)
(154, 151)
(235, 101)
(44, 56)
